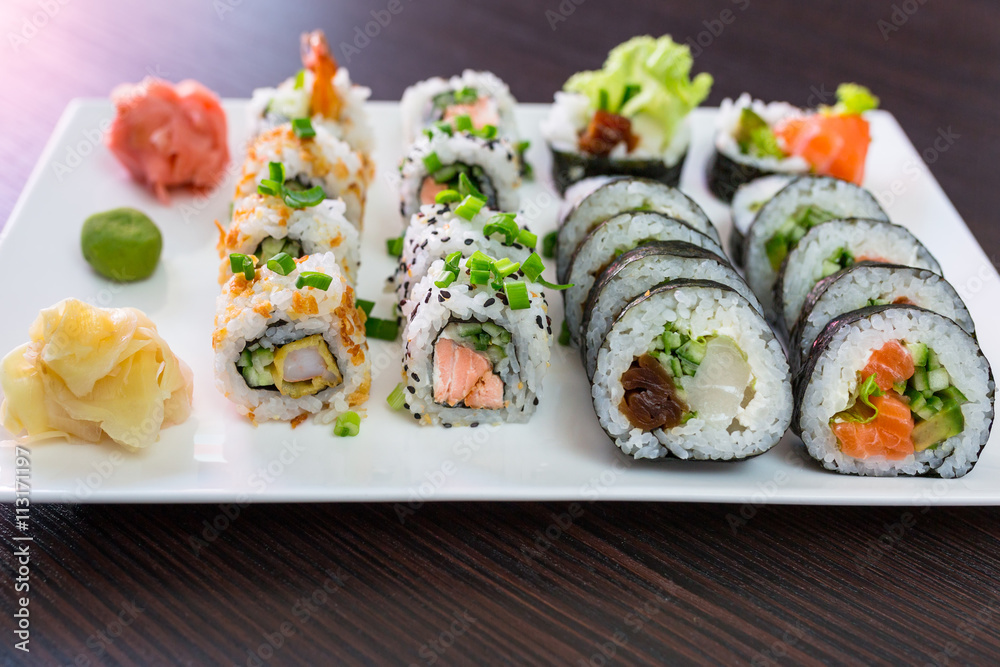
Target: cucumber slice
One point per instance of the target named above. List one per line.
(270, 247)
(292, 248)
(469, 329)
(262, 357)
(899, 387)
(932, 360)
(244, 360)
(496, 354)
(952, 393)
(919, 379)
(675, 367)
(917, 403)
(693, 351)
(938, 379)
(919, 352)
(671, 340)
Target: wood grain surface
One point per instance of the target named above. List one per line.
(545, 583)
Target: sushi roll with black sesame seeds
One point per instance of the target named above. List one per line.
(474, 354)
(463, 162)
(628, 118)
(482, 96)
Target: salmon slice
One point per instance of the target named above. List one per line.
(429, 190)
(482, 112)
(872, 258)
(488, 393)
(888, 435)
(457, 371)
(833, 145)
(891, 364)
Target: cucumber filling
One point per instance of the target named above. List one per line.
(754, 136)
(271, 246)
(301, 368)
(788, 234)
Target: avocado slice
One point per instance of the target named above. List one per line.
(947, 423)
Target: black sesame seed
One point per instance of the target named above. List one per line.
(416, 378)
(446, 294)
(446, 425)
(416, 415)
(445, 239)
(431, 220)
(410, 389)
(468, 241)
(473, 424)
(519, 246)
(502, 297)
(440, 299)
(406, 405)
(427, 299)
(538, 321)
(489, 302)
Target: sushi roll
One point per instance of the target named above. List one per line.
(871, 284)
(322, 161)
(747, 202)
(321, 92)
(786, 218)
(628, 118)
(436, 231)
(290, 346)
(474, 354)
(482, 96)
(610, 239)
(440, 160)
(594, 200)
(755, 139)
(640, 269)
(746, 148)
(264, 226)
(691, 370)
(895, 390)
(835, 245)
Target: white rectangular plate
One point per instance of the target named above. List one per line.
(562, 454)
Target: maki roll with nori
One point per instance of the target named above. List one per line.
(747, 202)
(290, 343)
(481, 96)
(630, 117)
(834, 245)
(610, 239)
(895, 390)
(635, 272)
(691, 370)
(594, 200)
(871, 284)
(320, 95)
(755, 139)
(474, 353)
(480, 165)
(787, 217)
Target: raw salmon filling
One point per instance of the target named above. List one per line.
(465, 358)
(905, 404)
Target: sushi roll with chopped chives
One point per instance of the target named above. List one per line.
(481, 96)
(895, 390)
(470, 164)
(265, 226)
(475, 352)
(872, 284)
(628, 118)
(836, 244)
(313, 168)
(786, 217)
(755, 139)
(747, 202)
(610, 239)
(691, 370)
(594, 200)
(639, 270)
(321, 93)
(290, 343)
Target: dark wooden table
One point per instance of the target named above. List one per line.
(481, 583)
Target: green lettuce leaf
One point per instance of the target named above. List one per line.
(648, 77)
(856, 413)
(853, 99)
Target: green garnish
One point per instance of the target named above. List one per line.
(240, 263)
(447, 278)
(432, 162)
(443, 126)
(365, 306)
(466, 188)
(381, 329)
(527, 239)
(275, 186)
(504, 267)
(801, 221)
(347, 425)
(479, 276)
(862, 411)
(300, 79)
(304, 198)
(549, 245)
(317, 279)
(502, 223)
(755, 137)
(396, 397)
(462, 123)
(533, 267)
(469, 207)
(517, 295)
(852, 99)
(841, 258)
(303, 128)
(479, 261)
(564, 336)
(394, 246)
(447, 197)
(282, 264)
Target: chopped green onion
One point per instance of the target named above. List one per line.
(442, 126)
(394, 246)
(479, 277)
(304, 198)
(269, 187)
(451, 261)
(300, 79)
(469, 207)
(303, 128)
(523, 146)
(602, 100)
(396, 398)
(242, 264)
(447, 278)
(504, 267)
(447, 197)
(631, 90)
(564, 334)
(347, 425)
(381, 329)
(465, 187)
(282, 263)
(549, 244)
(517, 295)
(504, 224)
(555, 286)
(365, 306)
(480, 261)
(277, 172)
(466, 95)
(432, 162)
(527, 239)
(487, 131)
(316, 279)
(462, 123)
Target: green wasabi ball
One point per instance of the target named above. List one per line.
(122, 244)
